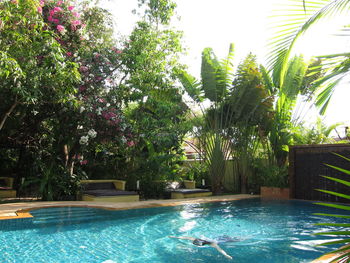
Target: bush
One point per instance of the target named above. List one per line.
(269, 175)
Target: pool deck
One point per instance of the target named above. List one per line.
(22, 210)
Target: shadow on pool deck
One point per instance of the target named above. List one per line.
(22, 209)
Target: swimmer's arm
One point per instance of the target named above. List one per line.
(214, 245)
(187, 238)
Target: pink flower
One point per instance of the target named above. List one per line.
(60, 41)
(69, 54)
(60, 2)
(77, 15)
(130, 143)
(83, 162)
(70, 8)
(82, 88)
(42, 3)
(57, 9)
(50, 18)
(76, 22)
(56, 21)
(14, 2)
(118, 51)
(106, 115)
(83, 69)
(61, 29)
(40, 10)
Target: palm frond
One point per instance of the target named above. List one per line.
(283, 41)
(343, 252)
(191, 85)
(339, 169)
(209, 73)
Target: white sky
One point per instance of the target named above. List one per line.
(246, 24)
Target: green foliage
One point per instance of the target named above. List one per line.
(191, 86)
(160, 125)
(214, 85)
(342, 234)
(318, 134)
(239, 114)
(158, 11)
(250, 102)
(34, 67)
(53, 183)
(195, 171)
(153, 99)
(304, 16)
(294, 82)
(270, 175)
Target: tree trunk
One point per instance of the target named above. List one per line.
(7, 114)
(69, 157)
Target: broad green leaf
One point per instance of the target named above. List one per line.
(343, 207)
(336, 233)
(334, 193)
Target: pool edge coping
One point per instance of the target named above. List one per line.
(25, 212)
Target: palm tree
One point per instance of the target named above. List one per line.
(251, 104)
(216, 79)
(288, 88)
(237, 105)
(302, 16)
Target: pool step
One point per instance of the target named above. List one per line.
(68, 216)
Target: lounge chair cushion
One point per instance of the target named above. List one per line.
(170, 186)
(108, 192)
(3, 183)
(192, 191)
(98, 186)
(104, 189)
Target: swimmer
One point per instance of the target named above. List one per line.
(201, 242)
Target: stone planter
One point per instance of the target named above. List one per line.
(190, 184)
(274, 192)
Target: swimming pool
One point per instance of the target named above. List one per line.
(270, 231)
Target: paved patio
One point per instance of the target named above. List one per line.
(22, 210)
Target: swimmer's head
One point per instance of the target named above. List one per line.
(200, 242)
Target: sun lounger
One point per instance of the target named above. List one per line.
(188, 191)
(6, 187)
(106, 191)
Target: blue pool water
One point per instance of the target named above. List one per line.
(270, 231)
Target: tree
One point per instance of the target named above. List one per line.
(69, 101)
(33, 67)
(295, 84)
(252, 105)
(239, 104)
(153, 99)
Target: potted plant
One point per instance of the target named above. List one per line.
(275, 183)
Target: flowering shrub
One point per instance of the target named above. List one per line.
(96, 120)
(74, 82)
